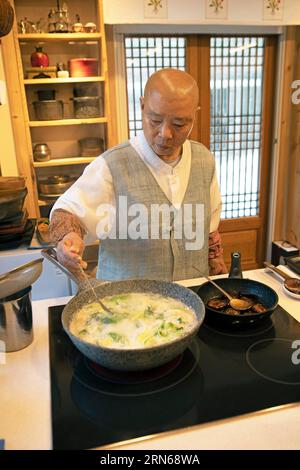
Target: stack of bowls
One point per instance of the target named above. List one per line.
(15, 228)
(53, 186)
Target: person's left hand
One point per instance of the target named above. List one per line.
(217, 266)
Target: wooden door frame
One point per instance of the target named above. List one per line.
(198, 65)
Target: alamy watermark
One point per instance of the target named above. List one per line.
(296, 93)
(296, 353)
(154, 222)
(2, 353)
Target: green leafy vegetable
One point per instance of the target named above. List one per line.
(117, 337)
(148, 311)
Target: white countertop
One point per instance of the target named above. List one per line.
(25, 400)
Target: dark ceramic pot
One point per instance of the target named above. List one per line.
(129, 359)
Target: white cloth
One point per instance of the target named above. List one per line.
(95, 187)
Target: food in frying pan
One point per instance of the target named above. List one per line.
(222, 305)
(139, 321)
(218, 303)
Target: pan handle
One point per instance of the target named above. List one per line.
(51, 255)
(235, 268)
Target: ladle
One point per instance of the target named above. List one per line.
(236, 304)
(106, 309)
(290, 283)
(51, 255)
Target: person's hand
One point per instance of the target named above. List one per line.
(217, 266)
(69, 253)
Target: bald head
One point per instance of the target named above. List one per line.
(173, 83)
(169, 107)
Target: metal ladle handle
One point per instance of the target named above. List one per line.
(215, 284)
(106, 309)
(51, 255)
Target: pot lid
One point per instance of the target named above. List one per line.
(19, 278)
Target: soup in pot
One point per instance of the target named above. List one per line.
(138, 321)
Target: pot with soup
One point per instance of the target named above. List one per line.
(151, 323)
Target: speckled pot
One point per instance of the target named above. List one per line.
(133, 359)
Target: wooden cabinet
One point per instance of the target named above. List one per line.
(61, 133)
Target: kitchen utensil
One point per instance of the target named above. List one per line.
(48, 110)
(78, 26)
(291, 284)
(20, 239)
(20, 278)
(99, 301)
(91, 147)
(129, 359)
(237, 304)
(12, 182)
(90, 27)
(83, 67)
(41, 153)
(15, 220)
(85, 89)
(86, 107)
(55, 185)
(46, 95)
(263, 293)
(16, 320)
(39, 58)
(6, 17)
(11, 202)
(42, 231)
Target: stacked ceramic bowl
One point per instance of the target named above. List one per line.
(15, 228)
(53, 186)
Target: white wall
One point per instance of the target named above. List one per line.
(193, 12)
(8, 163)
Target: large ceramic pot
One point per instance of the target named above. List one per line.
(129, 359)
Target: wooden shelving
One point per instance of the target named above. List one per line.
(53, 81)
(42, 203)
(67, 122)
(64, 161)
(38, 37)
(62, 136)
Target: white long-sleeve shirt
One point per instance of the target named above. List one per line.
(95, 187)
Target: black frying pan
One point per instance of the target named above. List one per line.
(236, 283)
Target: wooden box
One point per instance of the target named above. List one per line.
(41, 72)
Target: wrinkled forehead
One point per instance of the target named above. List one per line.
(178, 105)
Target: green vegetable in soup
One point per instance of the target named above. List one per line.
(139, 321)
(117, 337)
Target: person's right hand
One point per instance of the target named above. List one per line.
(69, 253)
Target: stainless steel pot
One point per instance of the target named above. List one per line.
(16, 321)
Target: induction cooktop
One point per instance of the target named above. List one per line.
(224, 373)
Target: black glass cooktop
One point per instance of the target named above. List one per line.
(223, 374)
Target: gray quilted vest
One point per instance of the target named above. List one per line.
(165, 257)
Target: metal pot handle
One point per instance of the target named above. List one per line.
(235, 268)
(51, 255)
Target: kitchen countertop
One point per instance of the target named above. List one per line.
(25, 405)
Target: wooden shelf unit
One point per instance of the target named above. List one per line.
(54, 81)
(64, 161)
(67, 122)
(61, 135)
(57, 37)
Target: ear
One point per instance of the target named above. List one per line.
(142, 103)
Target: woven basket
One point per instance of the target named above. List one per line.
(6, 17)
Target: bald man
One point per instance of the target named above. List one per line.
(153, 201)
